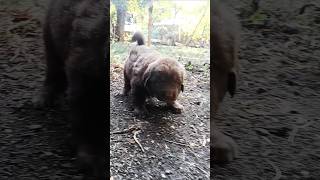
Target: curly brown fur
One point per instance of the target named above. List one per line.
(75, 41)
(148, 74)
(225, 38)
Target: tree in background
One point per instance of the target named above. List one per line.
(150, 9)
(121, 7)
(191, 18)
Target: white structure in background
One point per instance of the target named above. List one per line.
(130, 25)
(171, 23)
(168, 31)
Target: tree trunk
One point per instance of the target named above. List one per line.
(121, 14)
(150, 22)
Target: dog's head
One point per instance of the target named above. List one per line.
(163, 79)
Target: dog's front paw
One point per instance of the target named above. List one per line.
(43, 99)
(223, 147)
(140, 111)
(177, 108)
(91, 164)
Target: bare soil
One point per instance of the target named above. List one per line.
(34, 142)
(274, 117)
(173, 146)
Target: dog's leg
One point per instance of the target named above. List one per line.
(55, 82)
(87, 99)
(139, 98)
(223, 148)
(225, 36)
(127, 86)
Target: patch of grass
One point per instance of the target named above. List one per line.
(183, 52)
(189, 66)
(258, 18)
(118, 52)
(186, 55)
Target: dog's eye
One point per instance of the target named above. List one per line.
(182, 87)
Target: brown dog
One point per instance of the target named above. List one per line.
(75, 40)
(148, 74)
(225, 36)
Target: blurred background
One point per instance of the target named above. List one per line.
(180, 29)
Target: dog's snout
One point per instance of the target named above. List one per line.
(172, 95)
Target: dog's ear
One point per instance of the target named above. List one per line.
(232, 83)
(182, 87)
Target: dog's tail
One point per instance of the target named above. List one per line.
(138, 36)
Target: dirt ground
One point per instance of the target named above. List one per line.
(33, 142)
(274, 117)
(175, 146)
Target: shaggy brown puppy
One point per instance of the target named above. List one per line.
(75, 36)
(148, 74)
(225, 37)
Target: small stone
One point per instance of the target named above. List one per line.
(66, 165)
(294, 112)
(35, 126)
(261, 90)
(8, 131)
(163, 175)
(197, 103)
(305, 174)
(296, 93)
(168, 172)
(48, 153)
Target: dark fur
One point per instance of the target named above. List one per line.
(148, 74)
(75, 36)
(225, 38)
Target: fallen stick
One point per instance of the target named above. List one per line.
(136, 139)
(296, 129)
(131, 129)
(277, 170)
(16, 54)
(177, 143)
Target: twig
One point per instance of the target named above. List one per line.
(203, 171)
(296, 129)
(131, 129)
(136, 139)
(181, 144)
(276, 168)
(116, 141)
(16, 54)
(204, 142)
(196, 115)
(303, 8)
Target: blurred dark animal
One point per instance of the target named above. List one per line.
(225, 39)
(75, 36)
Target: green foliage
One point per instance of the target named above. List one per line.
(120, 4)
(163, 10)
(193, 15)
(113, 14)
(198, 24)
(192, 58)
(258, 18)
(189, 66)
(118, 52)
(183, 52)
